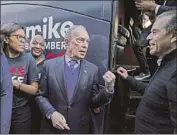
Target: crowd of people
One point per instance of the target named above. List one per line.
(57, 96)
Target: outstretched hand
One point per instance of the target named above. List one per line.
(122, 72)
(146, 5)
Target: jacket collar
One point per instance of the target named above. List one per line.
(169, 57)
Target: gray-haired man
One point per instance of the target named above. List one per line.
(70, 86)
(157, 111)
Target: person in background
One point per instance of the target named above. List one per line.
(157, 111)
(140, 44)
(157, 7)
(69, 88)
(6, 92)
(37, 47)
(24, 76)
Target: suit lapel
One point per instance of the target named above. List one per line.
(60, 77)
(79, 81)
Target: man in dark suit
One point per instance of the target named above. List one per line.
(69, 88)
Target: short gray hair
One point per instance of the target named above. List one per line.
(69, 32)
(171, 25)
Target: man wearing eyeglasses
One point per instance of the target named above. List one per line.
(69, 87)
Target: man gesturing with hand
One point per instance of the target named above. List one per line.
(157, 111)
(69, 88)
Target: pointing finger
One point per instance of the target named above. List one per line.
(59, 126)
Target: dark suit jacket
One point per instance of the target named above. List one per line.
(170, 5)
(53, 96)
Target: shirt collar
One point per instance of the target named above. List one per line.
(159, 60)
(68, 59)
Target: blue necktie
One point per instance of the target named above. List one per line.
(72, 63)
(72, 83)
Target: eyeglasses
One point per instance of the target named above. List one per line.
(20, 38)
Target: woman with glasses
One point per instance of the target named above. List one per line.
(24, 76)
